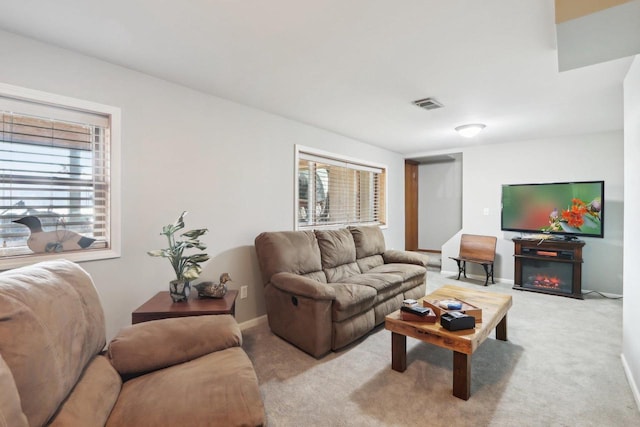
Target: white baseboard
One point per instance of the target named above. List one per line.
(253, 322)
(477, 277)
(630, 379)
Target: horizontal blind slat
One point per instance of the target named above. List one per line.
(62, 114)
(36, 180)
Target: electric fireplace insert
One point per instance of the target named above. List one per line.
(549, 266)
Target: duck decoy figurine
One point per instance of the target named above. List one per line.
(52, 241)
(213, 290)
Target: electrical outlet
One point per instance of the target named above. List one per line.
(485, 211)
(243, 292)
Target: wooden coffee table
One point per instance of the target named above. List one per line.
(463, 343)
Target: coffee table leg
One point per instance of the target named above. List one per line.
(501, 329)
(461, 375)
(398, 352)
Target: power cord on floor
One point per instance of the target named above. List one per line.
(601, 294)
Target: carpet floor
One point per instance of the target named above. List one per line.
(560, 367)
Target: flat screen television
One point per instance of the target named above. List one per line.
(568, 209)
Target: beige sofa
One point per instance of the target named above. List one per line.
(326, 288)
(53, 371)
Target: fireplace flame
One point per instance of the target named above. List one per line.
(546, 281)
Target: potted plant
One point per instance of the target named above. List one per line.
(186, 267)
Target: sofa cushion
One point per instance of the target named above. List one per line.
(416, 292)
(338, 253)
(342, 272)
(10, 410)
(378, 281)
(218, 389)
(92, 399)
(351, 299)
(405, 271)
(386, 285)
(412, 283)
(368, 262)
(287, 251)
(336, 247)
(154, 345)
(369, 240)
(51, 326)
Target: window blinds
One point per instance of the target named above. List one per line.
(55, 169)
(345, 192)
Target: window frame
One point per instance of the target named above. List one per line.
(298, 149)
(113, 114)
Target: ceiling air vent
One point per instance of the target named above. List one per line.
(428, 103)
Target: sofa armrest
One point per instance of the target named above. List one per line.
(149, 346)
(405, 257)
(300, 285)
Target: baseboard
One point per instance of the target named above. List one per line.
(253, 322)
(448, 273)
(477, 277)
(632, 383)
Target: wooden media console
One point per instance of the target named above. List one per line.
(550, 266)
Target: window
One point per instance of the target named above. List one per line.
(332, 190)
(57, 165)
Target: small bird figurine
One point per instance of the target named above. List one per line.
(52, 241)
(213, 290)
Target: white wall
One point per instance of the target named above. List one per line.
(571, 158)
(229, 165)
(630, 312)
(439, 202)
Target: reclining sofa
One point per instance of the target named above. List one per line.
(189, 371)
(325, 289)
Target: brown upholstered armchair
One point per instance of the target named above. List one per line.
(53, 370)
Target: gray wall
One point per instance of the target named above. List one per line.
(439, 202)
(229, 165)
(571, 158)
(630, 312)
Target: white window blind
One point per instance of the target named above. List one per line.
(54, 165)
(335, 191)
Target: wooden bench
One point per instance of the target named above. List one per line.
(478, 250)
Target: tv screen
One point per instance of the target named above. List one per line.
(564, 208)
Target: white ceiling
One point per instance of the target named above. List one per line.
(352, 66)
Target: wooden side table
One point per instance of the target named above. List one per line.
(161, 306)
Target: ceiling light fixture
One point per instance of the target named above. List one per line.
(469, 131)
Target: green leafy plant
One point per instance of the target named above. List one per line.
(186, 267)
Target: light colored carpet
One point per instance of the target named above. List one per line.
(560, 367)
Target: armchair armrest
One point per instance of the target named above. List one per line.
(405, 257)
(149, 346)
(300, 285)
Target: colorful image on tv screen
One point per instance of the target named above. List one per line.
(568, 208)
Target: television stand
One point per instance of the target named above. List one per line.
(548, 266)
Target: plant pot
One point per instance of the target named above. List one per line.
(179, 290)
